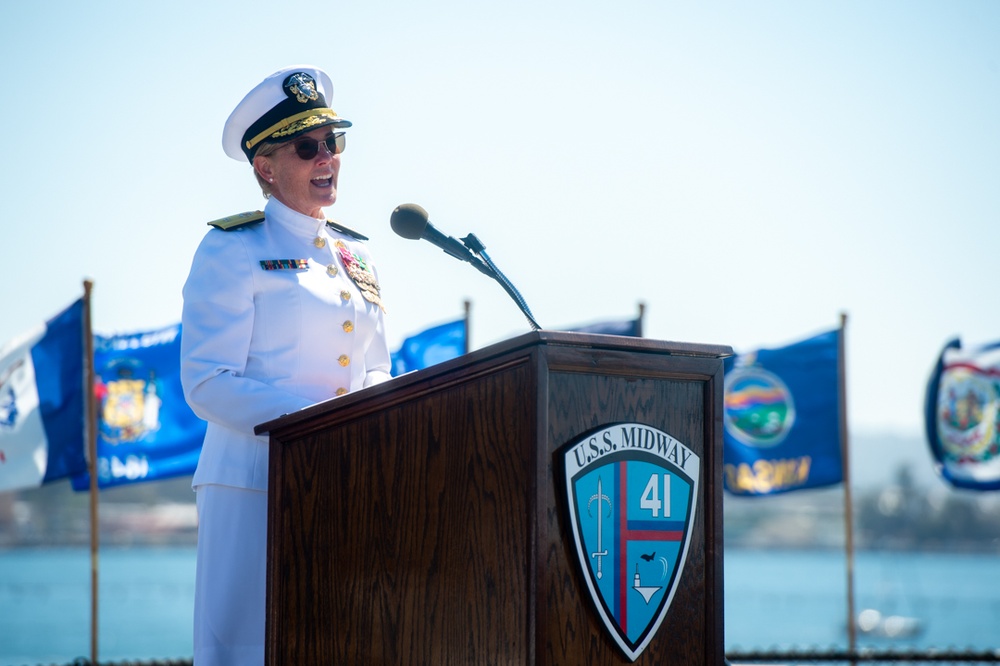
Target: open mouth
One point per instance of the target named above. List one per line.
(325, 181)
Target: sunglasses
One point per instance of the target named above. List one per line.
(307, 147)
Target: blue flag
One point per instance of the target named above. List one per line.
(781, 418)
(145, 429)
(429, 347)
(629, 327)
(962, 416)
(42, 403)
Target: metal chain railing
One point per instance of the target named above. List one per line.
(84, 661)
(739, 657)
(865, 656)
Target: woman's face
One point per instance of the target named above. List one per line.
(306, 186)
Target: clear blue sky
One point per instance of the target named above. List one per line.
(748, 170)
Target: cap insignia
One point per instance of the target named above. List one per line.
(302, 87)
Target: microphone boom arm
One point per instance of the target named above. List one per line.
(411, 221)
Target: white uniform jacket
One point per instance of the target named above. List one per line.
(272, 323)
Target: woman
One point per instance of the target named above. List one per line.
(281, 310)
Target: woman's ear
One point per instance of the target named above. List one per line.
(264, 168)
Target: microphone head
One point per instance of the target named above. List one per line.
(409, 221)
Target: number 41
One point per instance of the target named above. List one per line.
(651, 496)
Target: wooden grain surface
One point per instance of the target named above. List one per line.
(433, 529)
(427, 538)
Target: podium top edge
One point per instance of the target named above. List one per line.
(599, 340)
(590, 341)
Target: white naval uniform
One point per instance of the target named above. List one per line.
(257, 344)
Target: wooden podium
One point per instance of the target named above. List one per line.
(423, 521)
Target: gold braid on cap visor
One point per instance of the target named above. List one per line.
(293, 124)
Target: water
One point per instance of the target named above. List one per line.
(773, 599)
(145, 605)
(799, 599)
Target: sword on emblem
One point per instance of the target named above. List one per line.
(600, 553)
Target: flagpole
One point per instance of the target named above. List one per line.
(642, 315)
(852, 638)
(91, 437)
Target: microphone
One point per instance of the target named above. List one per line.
(411, 221)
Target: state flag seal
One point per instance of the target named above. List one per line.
(632, 493)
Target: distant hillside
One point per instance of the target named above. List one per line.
(875, 458)
(899, 502)
(154, 512)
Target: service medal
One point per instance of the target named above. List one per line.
(359, 271)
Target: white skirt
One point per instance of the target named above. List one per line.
(230, 579)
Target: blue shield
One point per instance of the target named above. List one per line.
(632, 494)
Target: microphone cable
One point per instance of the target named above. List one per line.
(474, 244)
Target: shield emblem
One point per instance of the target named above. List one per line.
(632, 494)
(130, 405)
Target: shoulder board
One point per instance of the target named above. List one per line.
(238, 220)
(344, 230)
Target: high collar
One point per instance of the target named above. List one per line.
(295, 222)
